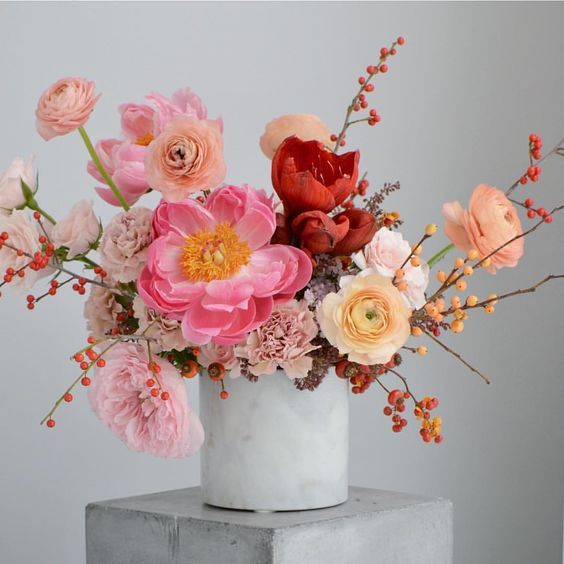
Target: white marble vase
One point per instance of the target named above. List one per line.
(272, 447)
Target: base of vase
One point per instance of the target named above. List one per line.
(285, 509)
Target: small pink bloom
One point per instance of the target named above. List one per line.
(224, 354)
(123, 248)
(185, 158)
(137, 123)
(124, 162)
(282, 341)
(78, 230)
(212, 267)
(307, 127)
(101, 309)
(121, 399)
(491, 221)
(183, 102)
(64, 107)
(11, 195)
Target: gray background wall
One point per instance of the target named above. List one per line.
(472, 81)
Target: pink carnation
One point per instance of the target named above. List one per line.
(213, 268)
(64, 107)
(101, 310)
(121, 399)
(283, 341)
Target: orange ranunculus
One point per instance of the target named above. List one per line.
(307, 177)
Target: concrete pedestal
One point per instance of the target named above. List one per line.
(373, 527)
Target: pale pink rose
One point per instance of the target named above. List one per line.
(385, 254)
(24, 234)
(125, 163)
(212, 266)
(121, 399)
(167, 333)
(282, 341)
(123, 248)
(223, 354)
(65, 106)
(367, 320)
(78, 230)
(305, 126)
(101, 310)
(491, 221)
(11, 195)
(186, 157)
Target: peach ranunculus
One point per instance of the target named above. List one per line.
(490, 221)
(185, 158)
(11, 195)
(65, 106)
(366, 320)
(78, 230)
(305, 126)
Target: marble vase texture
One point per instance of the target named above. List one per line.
(272, 447)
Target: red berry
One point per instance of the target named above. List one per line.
(42, 239)
(155, 392)
(91, 339)
(86, 381)
(394, 396)
(30, 306)
(384, 52)
(68, 397)
(100, 363)
(548, 219)
(165, 396)
(384, 68)
(78, 357)
(387, 410)
(542, 212)
(397, 428)
(533, 137)
(150, 383)
(361, 80)
(531, 214)
(371, 69)
(523, 180)
(400, 40)
(50, 423)
(356, 390)
(37, 215)
(84, 365)
(369, 87)
(529, 202)
(224, 394)
(439, 439)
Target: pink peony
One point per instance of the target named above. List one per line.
(78, 230)
(124, 162)
(385, 254)
(224, 354)
(121, 399)
(64, 107)
(11, 195)
(491, 221)
(24, 234)
(101, 310)
(307, 127)
(212, 267)
(283, 341)
(123, 248)
(185, 158)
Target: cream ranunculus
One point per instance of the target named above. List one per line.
(366, 320)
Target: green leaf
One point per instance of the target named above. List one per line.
(27, 192)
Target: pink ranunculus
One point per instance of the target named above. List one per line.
(307, 127)
(78, 230)
(65, 106)
(123, 248)
(490, 221)
(185, 158)
(213, 268)
(124, 162)
(385, 254)
(121, 399)
(11, 195)
(183, 102)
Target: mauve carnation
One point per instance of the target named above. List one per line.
(282, 341)
(101, 310)
(123, 248)
(185, 158)
(24, 234)
(78, 230)
(11, 195)
(64, 107)
(224, 354)
(167, 333)
(121, 399)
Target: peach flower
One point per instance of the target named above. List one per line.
(11, 195)
(305, 126)
(64, 107)
(185, 158)
(367, 320)
(491, 221)
(78, 230)
(122, 400)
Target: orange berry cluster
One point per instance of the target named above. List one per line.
(430, 427)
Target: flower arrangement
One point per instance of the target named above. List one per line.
(226, 281)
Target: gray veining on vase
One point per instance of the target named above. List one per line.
(272, 447)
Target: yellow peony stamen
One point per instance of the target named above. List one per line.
(145, 139)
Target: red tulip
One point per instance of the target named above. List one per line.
(362, 228)
(307, 177)
(318, 233)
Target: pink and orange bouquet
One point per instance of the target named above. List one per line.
(229, 282)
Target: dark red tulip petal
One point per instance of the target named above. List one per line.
(362, 228)
(317, 232)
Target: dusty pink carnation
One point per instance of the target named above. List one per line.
(101, 310)
(64, 107)
(167, 333)
(24, 234)
(123, 248)
(224, 354)
(283, 341)
(121, 399)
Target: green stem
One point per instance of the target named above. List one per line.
(440, 255)
(33, 205)
(101, 169)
